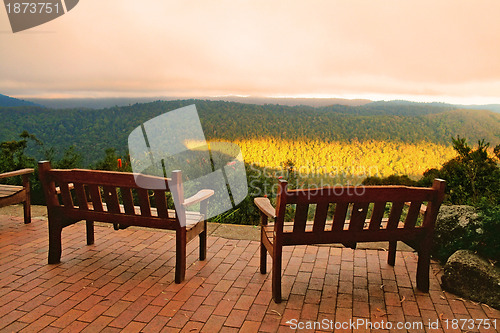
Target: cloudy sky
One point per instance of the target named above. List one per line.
(445, 50)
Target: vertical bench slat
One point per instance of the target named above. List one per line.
(161, 203)
(95, 197)
(413, 212)
(144, 202)
(358, 216)
(111, 198)
(320, 217)
(81, 196)
(377, 215)
(339, 216)
(300, 220)
(395, 215)
(128, 201)
(66, 195)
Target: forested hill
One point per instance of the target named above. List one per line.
(10, 101)
(92, 131)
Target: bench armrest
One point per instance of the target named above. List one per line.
(265, 207)
(198, 197)
(16, 173)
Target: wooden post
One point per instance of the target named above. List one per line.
(391, 257)
(90, 231)
(180, 254)
(263, 250)
(203, 235)
(55, 224)
(425, 250)
(27, 198)
(278, 240)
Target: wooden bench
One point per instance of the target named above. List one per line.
(388, 220)
(11, 194)
(104, 196)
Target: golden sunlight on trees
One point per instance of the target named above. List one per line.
(367, 158)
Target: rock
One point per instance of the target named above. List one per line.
(450, 232)
(468, 275)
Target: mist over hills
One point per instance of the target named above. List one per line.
(91, 131)
(100, 103)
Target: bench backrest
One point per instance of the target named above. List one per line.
(109, 197)
(357, 213)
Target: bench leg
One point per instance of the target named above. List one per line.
(423, 264)
(90, 232)
(27, 210)
(276, 275)
(55, 243)
(391, 257)
(180, 255)
(203, 242)
(263, 258)
(27, 199)
(263, 253)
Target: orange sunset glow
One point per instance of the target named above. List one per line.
(418, 50)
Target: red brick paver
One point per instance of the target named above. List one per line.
(125, 283)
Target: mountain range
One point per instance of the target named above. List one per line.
(92, 131)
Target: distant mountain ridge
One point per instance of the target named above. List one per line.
(7, 101)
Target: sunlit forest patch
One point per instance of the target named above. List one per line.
(346, 161)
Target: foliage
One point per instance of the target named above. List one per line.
(340, 162)
(391, 180)
(12, 153)
(113, 162)
(487, 237)
(93, 131)
(470, 177)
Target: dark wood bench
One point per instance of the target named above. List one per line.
(11, 194)
(104, 196)
(388, 220)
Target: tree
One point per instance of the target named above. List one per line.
(471, 176)
(12, 153)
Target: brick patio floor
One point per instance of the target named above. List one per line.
(125, 283)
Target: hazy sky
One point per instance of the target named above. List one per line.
(444, 50)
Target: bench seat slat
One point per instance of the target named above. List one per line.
(161, 203)
(413, 213)
(81, 196)
(128, 200)
(65, 194)
(11, 190)
(95, 197)
(395, 215)
(377, 215)
(358, 215)
(340, 215)
(144, 201)
(300, 217)
(111, 198)
(320, 217)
